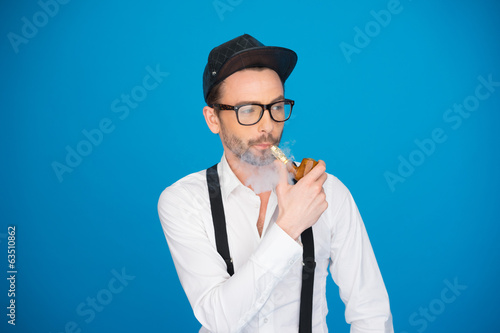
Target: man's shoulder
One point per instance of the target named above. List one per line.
(184, 204)
(194, 184)
(334, 186)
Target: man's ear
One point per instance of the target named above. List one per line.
(212, 120)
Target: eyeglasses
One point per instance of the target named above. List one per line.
(251, 114)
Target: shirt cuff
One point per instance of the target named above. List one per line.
(277, 252)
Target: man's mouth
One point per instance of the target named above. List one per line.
(263, 145)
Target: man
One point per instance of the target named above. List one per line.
(265, 220)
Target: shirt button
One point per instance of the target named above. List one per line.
(265, 320)
(290, 263)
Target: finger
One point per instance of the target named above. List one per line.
(282, 172)
(323, 178)
(317, 171)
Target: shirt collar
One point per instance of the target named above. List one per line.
(228, 180)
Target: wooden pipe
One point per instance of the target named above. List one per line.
(298, 171)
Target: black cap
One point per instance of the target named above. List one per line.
(245, 52)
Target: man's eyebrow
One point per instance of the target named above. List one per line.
(280, 97)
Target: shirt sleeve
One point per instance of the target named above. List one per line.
(354, 268)
(220, 303)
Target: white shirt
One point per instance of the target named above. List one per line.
(263, 295)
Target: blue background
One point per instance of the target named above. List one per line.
(359, 113)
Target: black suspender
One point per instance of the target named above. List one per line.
(306, 293)
(219, 217)
(308, 262)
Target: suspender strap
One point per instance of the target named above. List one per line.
(219, 217)
(306, 293)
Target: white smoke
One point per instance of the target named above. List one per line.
(265, 178)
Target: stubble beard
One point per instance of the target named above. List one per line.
(243, 152)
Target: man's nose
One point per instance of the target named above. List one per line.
(266, 123)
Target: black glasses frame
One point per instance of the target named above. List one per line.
(226, 107)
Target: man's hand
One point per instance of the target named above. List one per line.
(301, 205)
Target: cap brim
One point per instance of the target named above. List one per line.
(279, 59)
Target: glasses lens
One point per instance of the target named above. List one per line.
(249, 114)
(281, 110)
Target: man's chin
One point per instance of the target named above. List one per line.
(260, 159)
